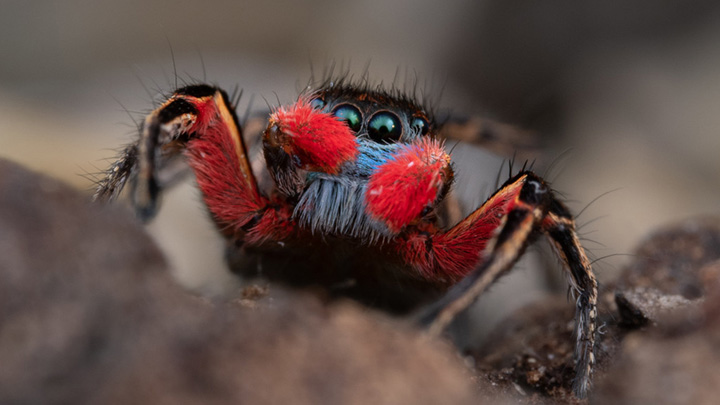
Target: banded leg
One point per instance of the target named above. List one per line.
(109, 188)
(198, 122)
(528, 207)
(498, 137)
(559, 227)
(170, 169)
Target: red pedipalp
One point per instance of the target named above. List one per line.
(318, 140)
(407, 183)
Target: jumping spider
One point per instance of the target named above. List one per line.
(352, 201)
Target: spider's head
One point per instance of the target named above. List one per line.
(378, 116)
(341, 144)
(340, 129)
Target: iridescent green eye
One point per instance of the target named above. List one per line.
(385, 127)
(420, 125)
(317, 103)
(350, 114)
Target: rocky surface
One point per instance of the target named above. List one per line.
(89, 314)
(658, 342)
(674, 285)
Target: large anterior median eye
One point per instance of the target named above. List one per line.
(385, 127)
(350, 114)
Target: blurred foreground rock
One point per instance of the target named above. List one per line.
(671, 259)
(673, 287)
(89, 314)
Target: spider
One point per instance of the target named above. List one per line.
(353, 200)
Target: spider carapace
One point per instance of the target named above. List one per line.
(352, 201)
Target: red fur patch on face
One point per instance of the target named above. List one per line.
(319, 140)
(402, 187)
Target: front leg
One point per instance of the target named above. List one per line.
(500, 230)
(198, 122)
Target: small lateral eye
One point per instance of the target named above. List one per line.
(317, 103)
(420, 125)
(350, 115)
(385, 127)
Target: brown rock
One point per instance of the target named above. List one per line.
(641, 305)
(671, 290)
(89, 314)
(669, 260)
(529, 357)
(674, 284)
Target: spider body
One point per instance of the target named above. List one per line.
(354, 203)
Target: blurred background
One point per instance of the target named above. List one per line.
(625, 95)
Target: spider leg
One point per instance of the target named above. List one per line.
(117, 175)
(171, 169)
(509, 220)
(559, 226)
(198, 122)
(498, 137)
(512, 222)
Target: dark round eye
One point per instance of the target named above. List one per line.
(385, 127)
(420, 125)
(350, 114)
(317, 103)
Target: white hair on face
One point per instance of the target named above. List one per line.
(336, 205)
